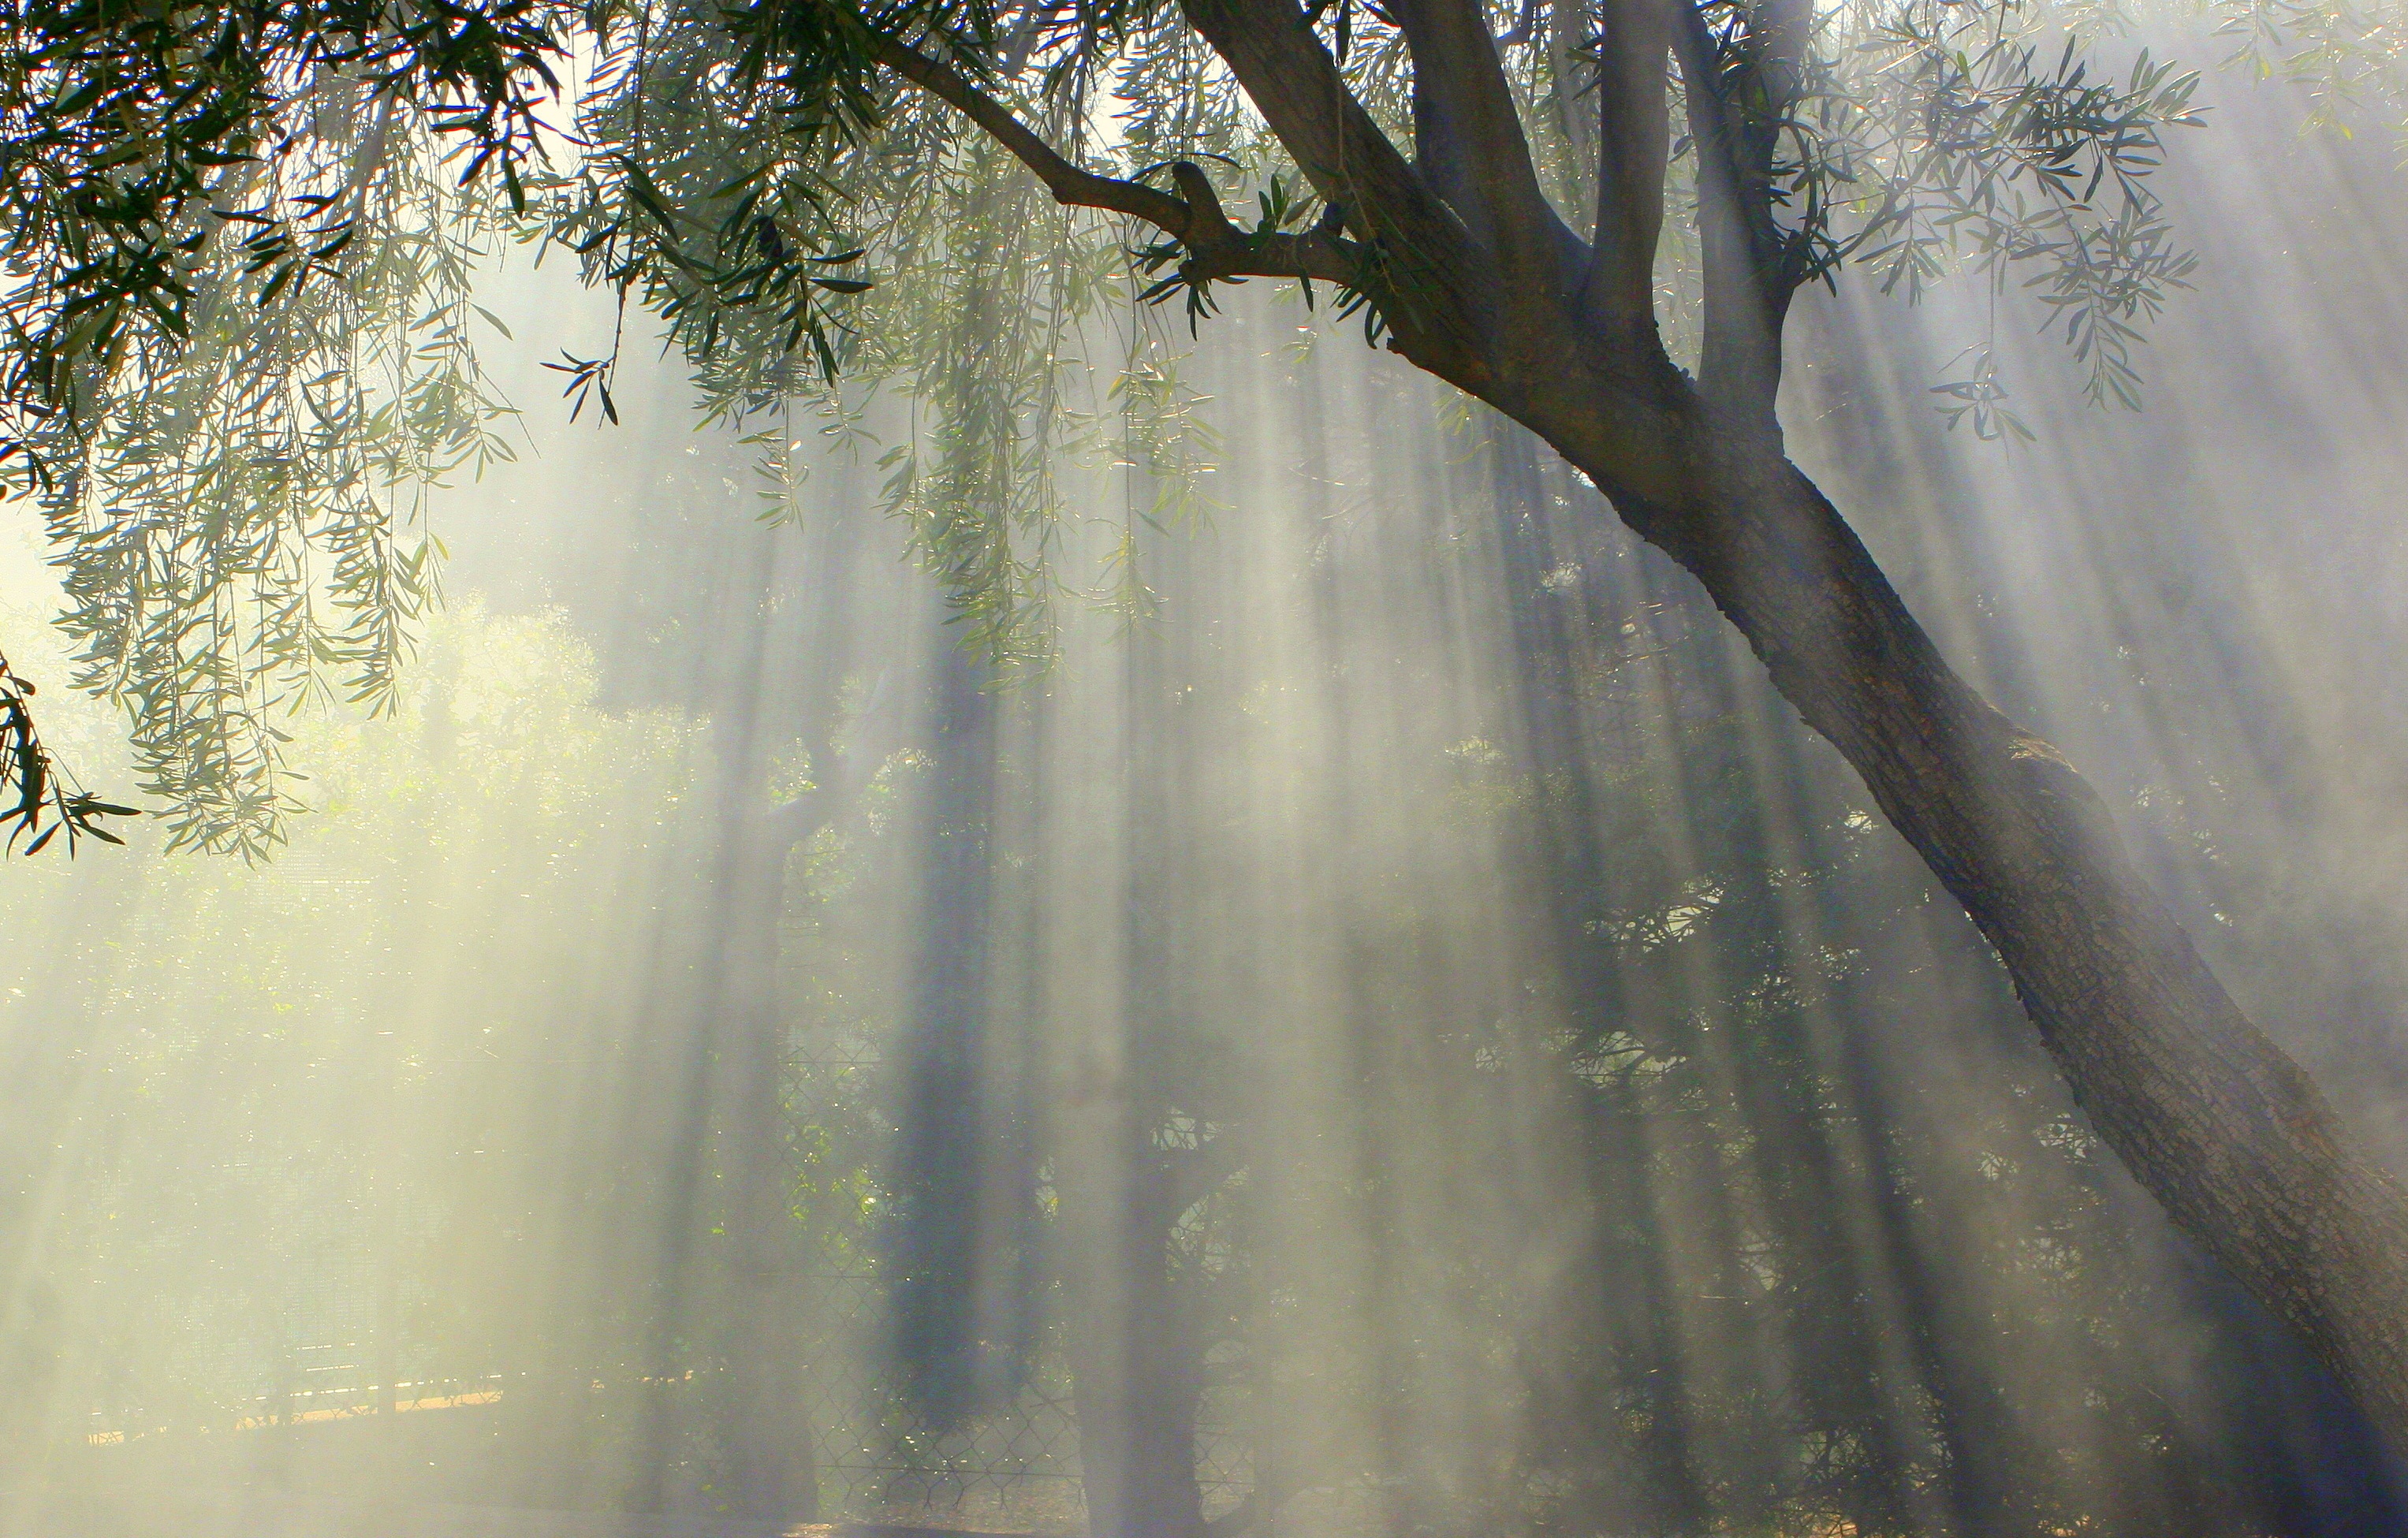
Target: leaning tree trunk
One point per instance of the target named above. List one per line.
(1482, 284)
(2209, 1114)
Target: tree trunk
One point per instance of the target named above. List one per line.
(2210, 1115)
(1136, 1361)
(763, 1422)
(961, 1173)
(2214, 1119)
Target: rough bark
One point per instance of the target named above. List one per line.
(2211, 1116)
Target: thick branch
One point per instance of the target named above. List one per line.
(1436, 275)
(1782, 31)
(1746, 292)
(1415, 257)
(1469, 141)
(1222, 250)
(1634, 143)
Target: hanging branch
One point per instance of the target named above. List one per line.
(43, 790)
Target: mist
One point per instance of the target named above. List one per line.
(1394, 1028)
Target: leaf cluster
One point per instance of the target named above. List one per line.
(136, 138)
(47, 800)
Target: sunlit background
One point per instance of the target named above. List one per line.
(1400, 1031)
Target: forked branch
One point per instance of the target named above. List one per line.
(1220, 250)
(1438, 275)
(1468, 136)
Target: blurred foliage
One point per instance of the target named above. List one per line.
(486, 818)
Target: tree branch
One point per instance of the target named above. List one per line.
(1634, 144)
(1069, 184)
(1746, 294)
(1220, 250)
(1469, 141)
(1436, 278)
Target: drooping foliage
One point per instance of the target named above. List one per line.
(239, 354)
(242, 349)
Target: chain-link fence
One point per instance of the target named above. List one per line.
(879, 1457)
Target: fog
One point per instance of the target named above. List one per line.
(1395, 1029)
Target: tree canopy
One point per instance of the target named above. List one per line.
(243, 242)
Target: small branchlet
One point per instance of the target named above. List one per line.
(1285, 241)
(38, 797)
